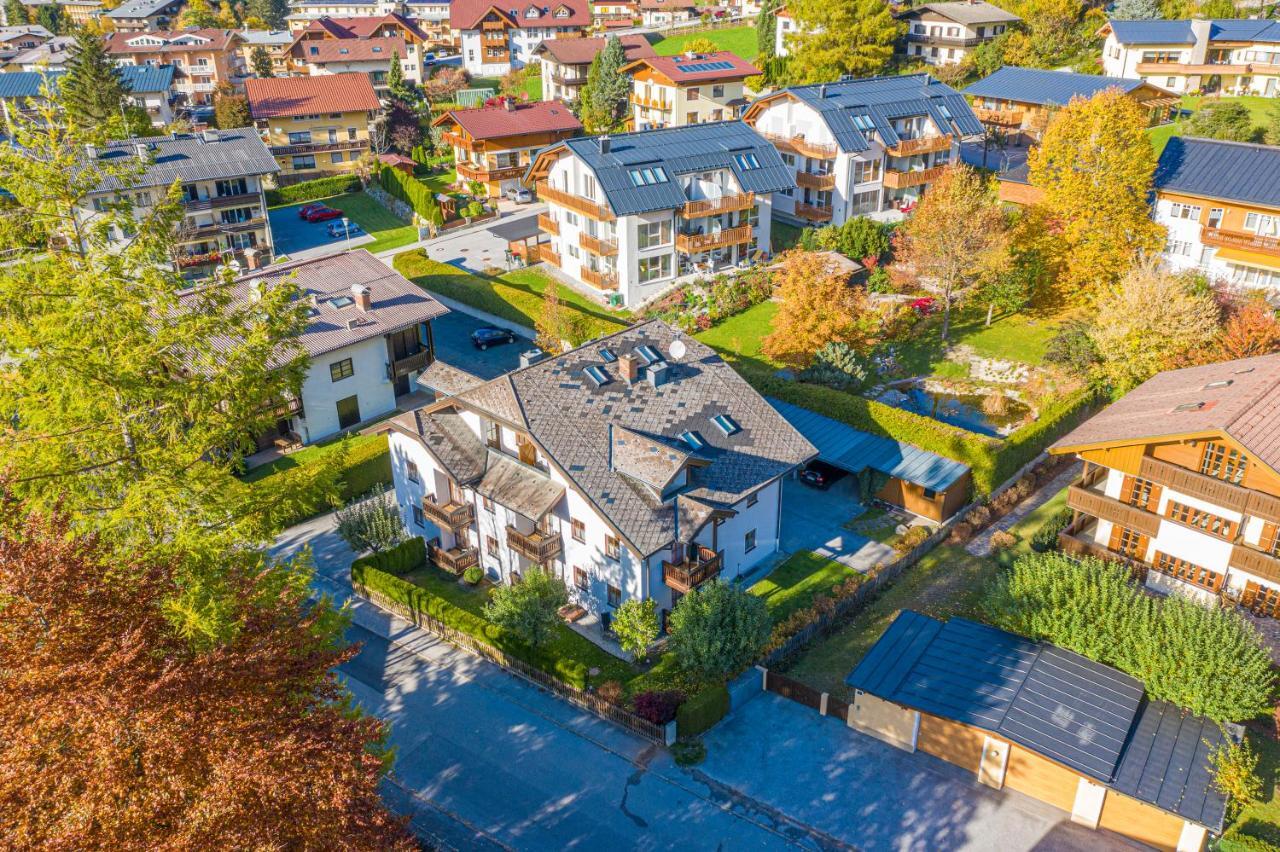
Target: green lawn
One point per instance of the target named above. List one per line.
(311, 453)
(1260, 108)
(739, 336)
(1015, 337)
(533, 87)
(388, 232)
(794, 584)
(1261, 820)
(739, 40)
(784, 236)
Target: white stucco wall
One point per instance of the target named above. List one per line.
(368, 383)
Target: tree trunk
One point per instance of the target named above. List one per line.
(991, 309)
(946, 319)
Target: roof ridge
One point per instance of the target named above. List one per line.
(1252, 404)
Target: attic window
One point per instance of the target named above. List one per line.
(726, 424)
(1221, 383)
(1242, 372)
(692, 441)
(648, 176)
(339, 302)
(1189, 406)
(315, 51)
(343, 50)
(746, 161)
(377, 49)
(532, 13)
(562, 12)
(649, 354)
(606, 355)
(597, 375)
(863, 122)
(946, 113)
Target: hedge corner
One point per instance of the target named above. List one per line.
(701, 712)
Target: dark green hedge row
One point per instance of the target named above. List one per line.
(309, 190)
(399, 560)
(368, 467)
(413, 192)
(702, 711)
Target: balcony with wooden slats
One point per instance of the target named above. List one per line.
(599, 280)
(1225, 238)
(921, 145)
(576, 203)
(999, 117)
(716, 206)
(801, 145)
(810, 180)
(814, 212)
(452, 515)
(536, 546)
(548, 254)
(1075, 541)
(548, 225)
(686, 576)
(695, 243)
(1195, 484)
(596, 245)
(1098, 505)
(650, 103)
(895, 179)
(454, 559)
(1255, 562)
(406, 364)
(1167, 68)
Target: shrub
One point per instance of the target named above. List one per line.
(371, 522)
(529, 608)
(960, 533)
(1235, 772)
(1002, 540)
(397, 561)
(473, 575)
(718, 629)
(636, 625)
(1242, 841)
(309, 190)
(838, 365)
(610, 691)
(689, 752)
(979, 517)
(911, 538)
(702, 711)
(878, 281)
(368, 466)
(1046, 538)
(658, 707)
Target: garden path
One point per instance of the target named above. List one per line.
(980, 545)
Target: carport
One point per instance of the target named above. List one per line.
(517, 233)
(921, 482)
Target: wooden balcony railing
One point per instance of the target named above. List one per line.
(471, 171)
(455, 139)
(597, 246)
(1195, 484)
(944, 41)
(1240, 240)
(999, 117)
(535, 546)
(1192, 68)
(814, 212)
(1075, 544)
(406, 365)
(800, 145)
(577, 203)
(574, 79)
(548, 225)
(694, 243)
(455, 559)
(650, 103)
(548, 254)
(894, 179)
(809, 180)
(1255, 562)
(921, 145)
(691, 573)
(716, 206)
(599, 280)
(451, 515)
(318, 147)
(1098, 505)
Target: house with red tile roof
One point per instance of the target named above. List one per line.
(693, 88)
(202, 59)
(314, 125)
(565, 62)
(666, 13)
(331, 45)
(496, 144)
(498, 37)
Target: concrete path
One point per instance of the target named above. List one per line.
(814, 520)
(980, 545)
(472, 247)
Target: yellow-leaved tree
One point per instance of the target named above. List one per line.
(835, 39)
(817, 307)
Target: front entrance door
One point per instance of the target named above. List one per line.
(348, 412)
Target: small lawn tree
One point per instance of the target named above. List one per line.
(718, 629)
(1228, 120)
(817, 307)
(529, 608)
(371, 523)
(636, 625)
(859, 238)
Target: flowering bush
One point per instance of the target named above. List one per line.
(703, 303)
(658, 707)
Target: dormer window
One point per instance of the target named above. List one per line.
(726, 424)
(563, 12)
(692, 440)
(532, 13)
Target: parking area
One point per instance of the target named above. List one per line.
(452, 334)
(479, 249)
(300, 239)
(816, 520)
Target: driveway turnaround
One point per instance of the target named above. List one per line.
(452, 336)
(814, 520)
(475, 249)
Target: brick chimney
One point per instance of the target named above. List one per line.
(251, 258)
(629, 368)
(509, 104)
(363, 296)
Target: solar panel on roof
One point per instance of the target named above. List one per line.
(695, 67)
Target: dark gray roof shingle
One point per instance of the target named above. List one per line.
(1051, 88)
(214, 155)
(1179, 32)
(1235, 171)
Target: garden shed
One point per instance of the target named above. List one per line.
(923, 483)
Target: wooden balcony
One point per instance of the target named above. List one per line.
(452, 515)
(716, 206)
(597, 246)
(1255, 562)
(576, 203)
(318, 147)
(944, 41)
(1076, 544)
(548, 225)
(814, 212)
(455, 559)
(1192, 68)
(493, 37)
(922, 145)
(650, 103)
(548, 254)
(694, 243)
(471, 171)
(894, 179)
(685, 576)
(1098, 505)
(535, 546)
(599, 280)
(574, 79)
(407, 364)
(809, 180)
(800, 145)
(999, 117)
(455, 139)
(1240, 240)
(1208, 488)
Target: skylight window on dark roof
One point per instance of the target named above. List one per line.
(606, 355)
(648, 176)
(340, 302)
(726, 424)
(692, 440)
(1221, 383)
(1189, 406)
(649, 354)
(864, 123)
(946, 113)
(746, 161)
(597, 375)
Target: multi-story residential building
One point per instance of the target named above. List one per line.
(565, 62)
(615, 14)
(944, 33)
(636, 467)
(275, 42)
(786, 26)
(52, 55)
(314, 125)
(432, 17)
(1220, 202)
(1233, 56)
(338, 45)
(222, 173)
(866, 147)
(150, 87)
(19, 39)
(496, 144)
(1021, 101)
(368, 339)
(140, 16)
(82, 12)
(496, 39)
(693, 88)
(202, 59)
(628, 214)
(1182, 483)
(666, 13)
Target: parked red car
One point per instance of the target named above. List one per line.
(307, 209)
(925, 305)
(324, 214)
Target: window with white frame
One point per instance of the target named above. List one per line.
(1178, 247)
(653, 234)
(1177, 210)
(655, 268)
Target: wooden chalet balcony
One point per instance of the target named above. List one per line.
(809, 180)
(574, 79)
(650, 103)
(694, 243)
(494, 25)
(894, 179)
(406, 365)
(1192, 68)
(576, 203)
(455, 139)
(800, 145)
(599, 280)
(1240, 240)
(548, 254)
(451, 515)
(493, 37)
(1255, 562)
(548, 225)
(535, 546)
(471, 171)
(999, 117)
(597, 246)
(716, 206)
(922, 145)
(318, 147)
(814, 212)
(1098, 505)
(693, 572)
(944, 41)
(1211, 489)
(1074, 543)
(454, 559)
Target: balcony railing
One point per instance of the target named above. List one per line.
(569, 79)
(537, 547)
(685, 576)
(318, 147)
(1193, 68)
(716, 206)
(597, 246)
(1098, 505)
(241, 200)
(943, 41)
(472, 171)
(1075, 544)
(1255, 562)
(548, 225)
(894, 179)
(452, 515)
(1240, 240)
(694, 243)
(576, 203)
(406, 365)
(599, 280)
(999, 117)
(921, 145)
(815, 212)
(809, 180)
(454, 559)
(1195, 484)
(800, 145)
(550, 255)
(206, 231)
(650, 103)
(455, 139)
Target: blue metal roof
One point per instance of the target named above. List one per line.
(1179, 32)
(1233, 171)
(1046, 88)
(145, 79)
(140, 79)
(679, 151)
(847, 448)
(882, 99)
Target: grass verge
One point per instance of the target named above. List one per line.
(738, 40)
(794, 584)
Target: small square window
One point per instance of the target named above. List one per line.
(340, 370)
(579, 530)
(581, 580)
(490, 545)
(418, 518)
(411, 471)
(487, 503)
(612, 547)
(750, 541)
(615, 596)
(753, 499)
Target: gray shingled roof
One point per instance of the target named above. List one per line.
(1179, 32)
(212, 155)
(1039, 86)
(1235, 171)
(138, 8)
(518, 487)
(979, 12)
(1077, 712)
(680, 151)
(447, 438)
(570, 418)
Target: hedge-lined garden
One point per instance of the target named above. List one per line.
(413, 192)
(309, 190)
(367, 466)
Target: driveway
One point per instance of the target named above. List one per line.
(452, 336)
(300, 239)
(859, 790)
(814, 520)
(475, 249)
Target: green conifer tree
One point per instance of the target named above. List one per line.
(92, 91)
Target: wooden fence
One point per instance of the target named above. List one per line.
(660, 734)
(802, 693)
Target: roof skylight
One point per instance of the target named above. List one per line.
(648, 176)
(1189, 406)
(607, 355)
(726, 424)
(692, 440)
(746, 161)
(339, 302)
(597, 375)
(863, 122)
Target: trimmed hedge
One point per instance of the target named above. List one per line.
(702, 711)
(368, 466)
(399, 560)
(413, 192)
(309, 190)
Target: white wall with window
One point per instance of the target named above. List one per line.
(351, 382)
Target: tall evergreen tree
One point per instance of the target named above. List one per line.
(92, 91)
(15, 13)
(767, 30)
(260, 62)
(604, 95)
(395, 79)
(51, 18)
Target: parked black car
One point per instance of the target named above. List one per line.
(486, 336)
(820, 476)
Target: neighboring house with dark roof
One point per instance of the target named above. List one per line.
(50, 55)
(334, 45)
(203, 59)
(944, 33)
(1182, 483)
(498, 37)
(150, 87)
(314, 125)
(638, 466)
(496, 144)
(140, 16)
(222, 173)
(692, 88)
(1043, 721)
(629, 214)
(275, 42)
(368, 339)
(565, 62)
(1024, 100)
(19, 39)
(1220, 202)
(1234, 56)
(867, 147)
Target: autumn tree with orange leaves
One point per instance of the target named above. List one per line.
(818, 306)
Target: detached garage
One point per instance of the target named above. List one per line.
(1046, 722)
(923, 483)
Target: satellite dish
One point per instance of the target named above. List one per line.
(677, 349)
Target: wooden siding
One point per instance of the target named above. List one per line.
(911, 497)
(1041, 778)
(951, 741)
(1126, 459)
(1098, 505)
(1140, 821)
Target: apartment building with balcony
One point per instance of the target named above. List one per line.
(496, 144)
(658, 14)
(149, 87)
(1220, 202)
(865, 147)
(497, 38)
(693, 88)
(564, 62)
(627, 215)
(368, 339)
(944, 33)
(314, 125)
(201, 59)
(615, 14)
(275, 42)
(638, 466)
(1182, 483)
(1232, 56)
(140, 16)
(221, 172)
(1022, 101)
(365, 44)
